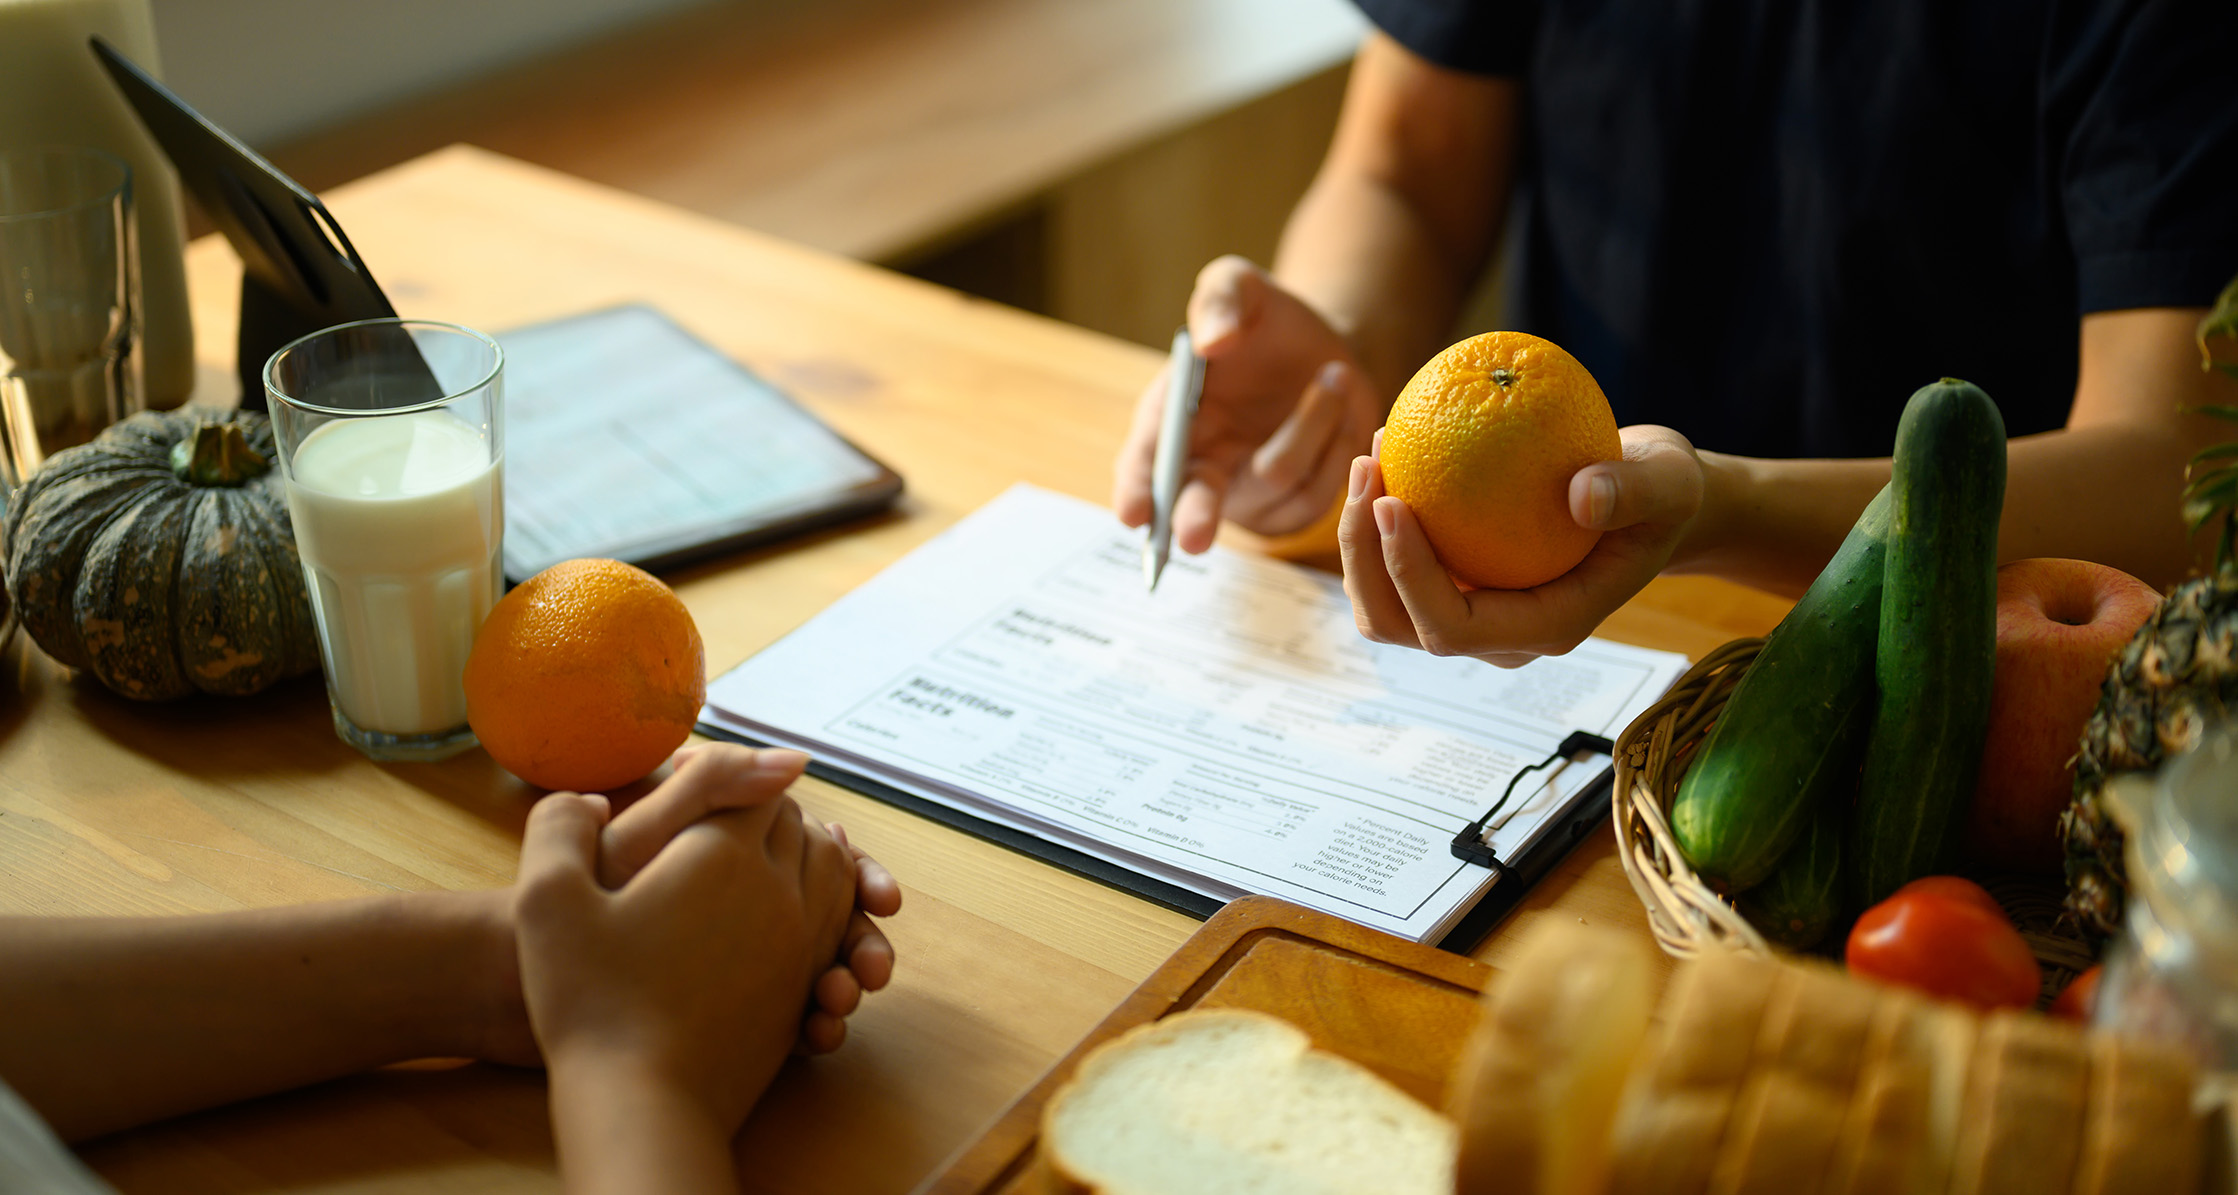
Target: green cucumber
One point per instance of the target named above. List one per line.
(1802, 898)
(1938, 639)
(1790, 736)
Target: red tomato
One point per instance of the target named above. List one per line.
(1936, 937)
(1957, 888)
(2076, 999)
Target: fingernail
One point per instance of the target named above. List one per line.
(1386, 519)
(1218, 322)
(1331, 376)
(1359, 483)
(1600, 499)
(839, 834)
(771, 761)
(1375, 445)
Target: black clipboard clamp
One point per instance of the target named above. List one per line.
(1469, 845)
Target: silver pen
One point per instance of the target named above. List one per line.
(1169, 465)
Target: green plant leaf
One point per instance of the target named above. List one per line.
(2218, 486)
(2216, 410)
(2218, 333)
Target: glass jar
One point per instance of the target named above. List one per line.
(2173, 972)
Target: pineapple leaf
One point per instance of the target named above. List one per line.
(2218, 333)
(2218, 452)
(2219, 412)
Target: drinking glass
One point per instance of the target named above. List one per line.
(69, 301)
(391, 438)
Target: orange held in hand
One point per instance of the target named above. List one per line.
(1481, 446)
(586, 676)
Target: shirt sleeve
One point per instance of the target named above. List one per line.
(2149, 185)
(1482, 37)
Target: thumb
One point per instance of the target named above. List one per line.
(1227, 297)
(720, 777)
(559, 848)
(1659, 480)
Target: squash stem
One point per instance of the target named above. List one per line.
(218, 454)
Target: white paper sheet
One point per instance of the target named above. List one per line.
(1230, 733)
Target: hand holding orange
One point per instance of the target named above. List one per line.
(1481, 446)
(586, 676)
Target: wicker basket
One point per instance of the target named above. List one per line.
(1687, 917)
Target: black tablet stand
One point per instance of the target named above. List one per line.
(299, 272)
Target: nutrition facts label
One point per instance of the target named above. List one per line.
(1233, 728)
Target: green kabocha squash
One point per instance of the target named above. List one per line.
(159, 558)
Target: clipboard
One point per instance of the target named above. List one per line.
(1231, 733)
(1079, 863)
(1588, 809)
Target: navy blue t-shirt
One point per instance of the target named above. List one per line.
(1766, 222)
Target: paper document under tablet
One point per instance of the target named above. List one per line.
(1230, 733)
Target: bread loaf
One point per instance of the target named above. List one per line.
(1810, 1048)
(2140, 1133)
(1780, 1077)
(1682, 1092)
(1886, 1145)
(1539, 1080)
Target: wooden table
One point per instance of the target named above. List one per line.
(107, 806)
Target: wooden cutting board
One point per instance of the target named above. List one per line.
(1401, 1008)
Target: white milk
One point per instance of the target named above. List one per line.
(54, 92)
(399, 521)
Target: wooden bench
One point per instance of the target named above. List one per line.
(1078, 157)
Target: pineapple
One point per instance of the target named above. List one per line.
(2177, 676)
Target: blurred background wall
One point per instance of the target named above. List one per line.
(273, 71)
(1078, 158)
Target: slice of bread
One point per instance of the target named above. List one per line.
(1681, 1096)
(1885, 1137)
(1233, 1101)
(1538, 1082)
(2023, 1123)
(1810, 1052)
(2140, 1134)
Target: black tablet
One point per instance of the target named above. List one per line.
(628, 437)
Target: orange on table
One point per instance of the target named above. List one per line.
(1481, 446)
(586, 676)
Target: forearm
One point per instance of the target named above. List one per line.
(113, 1022)
(619, 1130)
(1404, 212)
(2106, 487)
(1357, 254)
(2107, 493)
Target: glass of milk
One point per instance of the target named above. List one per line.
(391, 437)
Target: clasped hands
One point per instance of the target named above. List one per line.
(679, 935)
(1286, 411)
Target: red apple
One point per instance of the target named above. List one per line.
(2059, 624)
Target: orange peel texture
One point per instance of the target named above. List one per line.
(586, 676)
(1481, 446)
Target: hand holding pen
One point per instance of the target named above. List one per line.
(1285, 408)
